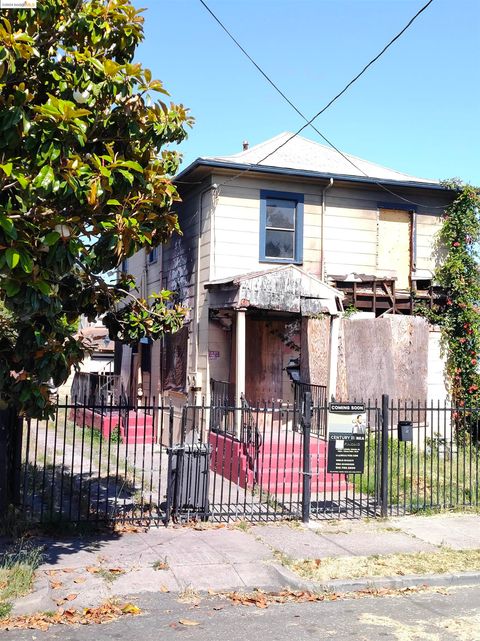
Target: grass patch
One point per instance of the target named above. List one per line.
(433, 477)
(444, 561)
(17, 571)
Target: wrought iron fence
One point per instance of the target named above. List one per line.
(103, 462)
(319, 404)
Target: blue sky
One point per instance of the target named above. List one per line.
(416, 110)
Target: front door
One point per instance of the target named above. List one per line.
(267, 354)
(393, 248)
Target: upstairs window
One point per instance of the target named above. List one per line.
(153, 255)
(281, 227)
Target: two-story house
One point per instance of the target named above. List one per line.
(271, 254)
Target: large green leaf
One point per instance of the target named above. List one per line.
(8, 227)
(13, 257)
(45, 177)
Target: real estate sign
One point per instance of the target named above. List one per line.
(347, 424)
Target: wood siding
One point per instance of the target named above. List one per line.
(351, 228)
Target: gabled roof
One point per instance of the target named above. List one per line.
(307, 159)
(304, 154)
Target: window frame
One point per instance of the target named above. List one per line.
(265, 195)
(153, 255)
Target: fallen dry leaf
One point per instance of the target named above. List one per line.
(52, 572)
(130, 608)
(163, 588)
(71, 597)
(93, 569)
(56, 585)
(103, 614)
(81, 579)
(129, 528)
(68, 570)
(188, 622)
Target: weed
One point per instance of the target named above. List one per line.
(160, 564)
(17, 571)
(243, 526)
(115, 435)
(189, 595)
(110, 574)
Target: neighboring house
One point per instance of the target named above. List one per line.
(95, 375)
(268, 260)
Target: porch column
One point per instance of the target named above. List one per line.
(333, 357)
(239, 365)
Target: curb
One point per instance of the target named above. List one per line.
(396, 582)
(389, 582)
(39, 600)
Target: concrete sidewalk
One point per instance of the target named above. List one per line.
(85, 571)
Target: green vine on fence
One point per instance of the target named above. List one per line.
(458, 312)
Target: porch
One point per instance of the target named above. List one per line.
(267, 329)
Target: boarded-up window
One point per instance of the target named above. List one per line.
(175, 360)
(394, 246)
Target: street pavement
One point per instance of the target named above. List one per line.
(86, 571)
(434, 615)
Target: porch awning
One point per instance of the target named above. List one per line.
(285, 289)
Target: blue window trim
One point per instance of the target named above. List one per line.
(282, 195)
(153, 255)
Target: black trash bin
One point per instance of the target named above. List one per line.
(405, 431)
(188, 482)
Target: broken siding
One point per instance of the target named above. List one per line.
(179, 256)
(427, 229)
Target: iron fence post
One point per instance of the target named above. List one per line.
(384, 458)
(307, 472)
(170, 480)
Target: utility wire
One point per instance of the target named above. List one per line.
(309, 122)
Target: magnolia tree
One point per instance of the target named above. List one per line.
(85, 182)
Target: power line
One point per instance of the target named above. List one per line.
(309, 122)
(349, 84)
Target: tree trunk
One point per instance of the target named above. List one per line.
(11, 428)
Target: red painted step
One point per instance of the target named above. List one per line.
(277, 467)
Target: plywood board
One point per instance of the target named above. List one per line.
(393, 249)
